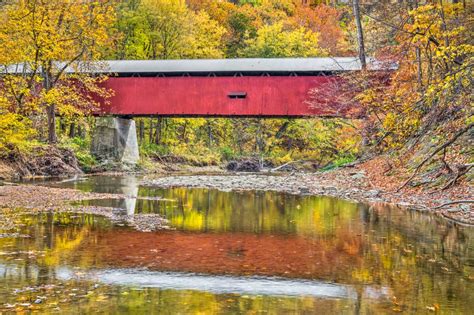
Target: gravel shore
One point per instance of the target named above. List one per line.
(17, 200)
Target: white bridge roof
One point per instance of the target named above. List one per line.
(235, 65)
(326, 64)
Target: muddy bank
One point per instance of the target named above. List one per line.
(18, 200)
(347, 183)
(43, 161)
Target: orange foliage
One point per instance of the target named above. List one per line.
(326, 21)
(217, 10)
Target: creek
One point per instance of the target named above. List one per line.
(236, 252)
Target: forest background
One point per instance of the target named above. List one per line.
(419, 115)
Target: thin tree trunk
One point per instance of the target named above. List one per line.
(184, 134)
(52, 136)
(72, 130)
(80, 131)
(159, 123)
(360, 34)
(141, 130)
(443, 23)
(363, 62)
(150, 131)
(209, 133)
(62, 125)
(412, 5)
(259, 137)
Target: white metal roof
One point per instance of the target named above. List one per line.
(221, 65)
(235, 65)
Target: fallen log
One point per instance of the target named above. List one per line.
(453, 203)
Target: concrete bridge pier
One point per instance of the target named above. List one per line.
(115, 141)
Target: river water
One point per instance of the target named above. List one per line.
(237, 252)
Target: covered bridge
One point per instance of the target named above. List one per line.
(273, 87)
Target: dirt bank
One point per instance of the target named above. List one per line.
(42, 161)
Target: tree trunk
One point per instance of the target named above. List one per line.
(184, 134)
(50, 110)
(411, 6)
(360, 34)
(80, 131)
(141, 130)
(159, 121)
(150, 131)
(443, 23)
(62, 125)
(259, 137)
(72, 130)
(209, 133)
(52, 136)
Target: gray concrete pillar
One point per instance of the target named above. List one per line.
(115, 140)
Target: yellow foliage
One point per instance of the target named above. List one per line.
(277, 41)
(15, 131)
(433, 79)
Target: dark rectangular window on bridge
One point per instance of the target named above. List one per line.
(237, 94)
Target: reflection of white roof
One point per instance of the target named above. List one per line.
(224, 65)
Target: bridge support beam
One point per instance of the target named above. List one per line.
(115, 141)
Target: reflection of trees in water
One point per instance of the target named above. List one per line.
(258, 212)
(432, 234)
(423, 259)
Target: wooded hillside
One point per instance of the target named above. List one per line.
(419, 116)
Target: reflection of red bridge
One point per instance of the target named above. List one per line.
(224, 87)
(291, 256)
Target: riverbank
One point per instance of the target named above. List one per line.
(361, 183)
(41, 161)
(17, 200)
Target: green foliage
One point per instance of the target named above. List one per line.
(240, 27)
(209, 141)
(167, 29)
(227, 153)
(340, 161)
(81, 149)
(152, 149)
(252, 2)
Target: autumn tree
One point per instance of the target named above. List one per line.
(326, 21)
(424, 109)
(279, 41)
(167, 29)
(44, 42)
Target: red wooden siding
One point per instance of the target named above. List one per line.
(208, 96)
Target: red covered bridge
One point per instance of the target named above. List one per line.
(277, 87)
(272, 87)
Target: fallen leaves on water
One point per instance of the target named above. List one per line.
(433, 308)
